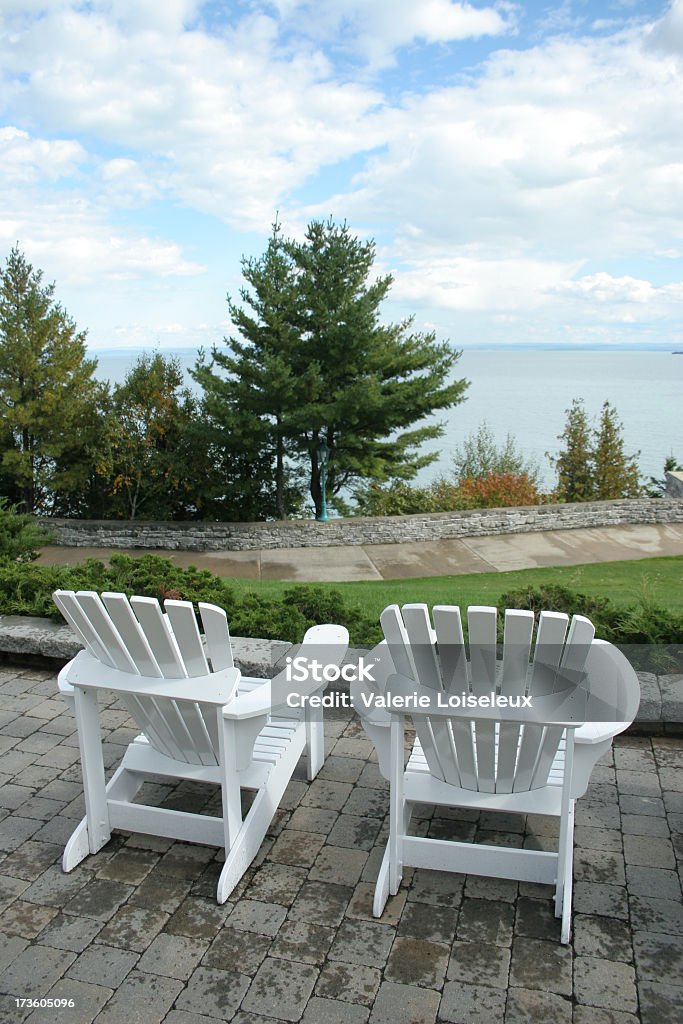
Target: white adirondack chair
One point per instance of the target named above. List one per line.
(199, 720)
(499, 760)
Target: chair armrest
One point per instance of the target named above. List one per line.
(326, 644)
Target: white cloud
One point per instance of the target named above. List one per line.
(24, 159)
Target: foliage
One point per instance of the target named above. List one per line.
(27, 590)
(47, 393)
(314, 362)
(496, 490)
(152, 456)
(651, 636)
(592, 465)
(481, 456)
(255, 392)
(615, 474)
(19, 536)
(656, 487)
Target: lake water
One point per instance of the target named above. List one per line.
(526, 392)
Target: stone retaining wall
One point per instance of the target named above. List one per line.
(377, 530)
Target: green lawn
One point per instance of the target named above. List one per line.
(660, 579)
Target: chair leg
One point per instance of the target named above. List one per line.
(92, 766)
(382, 887)
(315, 741)
(563, 888)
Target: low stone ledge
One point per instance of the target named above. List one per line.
(201, 536)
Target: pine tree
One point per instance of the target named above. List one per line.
(574, 464)
(375, 381)
(47, 392)
(615, 474)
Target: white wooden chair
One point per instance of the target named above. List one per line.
(498, 760)
(199, 720)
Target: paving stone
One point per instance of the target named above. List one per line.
(321, 903)
(599, 866)
(366, 802)
(16, 830)
(668, 751)
(337, 865)
(159, 893)
(329, 1011)
(602, 815)
(641, 805)
(360, 907)
(129, 866)
(602, 937)
(299, 849)
(354, 831)
(313, 819)
(281, 988)
(527, 1006)
(67, 931)
(586, 838)
(238, 951)
(198, 918)
(593, 1015)
(656, 882)
(353, 746)
(544, 965)
(302, 941)
(103, 965)
(342, 769)
(439, 888)
(31, 859)
(262, 918)
(133, 928)
(88, 1000)
(330, 795)
(638, 783)
(184, 1017)
(606, 983)
(140, 999)
(35, 970)
(184, 860)
(644, 825)
(649, 851)
(362, 942)
(486, 921)
(352, 983)
(55, 888)
(25, 919)
(276, 883)
(417, 962)
(660, 1003)
(10, 948)
(471, 1004)
(489, 964)
(658, 956)
(656, 915)
(536, 919)
(422, 921)
(498, 889)
(600, 898)
(99, 898)
(11, 887)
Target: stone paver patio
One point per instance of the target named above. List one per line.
(134, 934)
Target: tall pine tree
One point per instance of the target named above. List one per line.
(47, 393)
(615, 473)
(574, 464)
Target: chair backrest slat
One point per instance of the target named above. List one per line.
(452, 653)
(482, 624)
(131, 633)
(107, 632)
(217, 635)
(73, 613)
(422, 638)
(519, 626)
(159, 637)
(552, 629)
(186, 632)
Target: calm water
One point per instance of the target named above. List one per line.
(526, 392)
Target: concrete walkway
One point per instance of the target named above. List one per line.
(427, 558)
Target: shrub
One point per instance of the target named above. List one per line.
(482, 456)
(26, 589)
(650, 636)
(498, 490)
(20, 538)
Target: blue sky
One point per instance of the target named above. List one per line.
(519, 166)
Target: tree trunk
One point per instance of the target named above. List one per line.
(280, 503)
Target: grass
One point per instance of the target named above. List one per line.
(658, 579)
